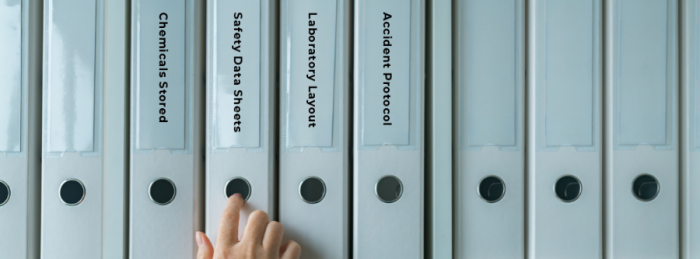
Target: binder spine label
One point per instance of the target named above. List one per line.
(160, 74)
(644, 91)
(493, 79)
(311, 73)
(236, 56)
(70, 76)
(11, 74)
(385, 88)
(568, 84)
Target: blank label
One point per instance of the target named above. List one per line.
(569, 76)
(385, 91)
(70, 75)
(642, 84)
(236, 91)
(160, 73)
(11, 74)
(311, 73)
(491, 75)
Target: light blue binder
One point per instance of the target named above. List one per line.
(490, 152)
(389, 121)
(20, 134)
(314, 119)
(73, 132)
(564, 130)
(641, 148)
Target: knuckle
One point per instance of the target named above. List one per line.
(249, 253)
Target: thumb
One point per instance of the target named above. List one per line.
(206, 251)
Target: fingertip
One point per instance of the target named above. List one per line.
(255, 228)
(198, 238)
(236, 198)
(260, 215)
(205, 249)
(272, 240)
(290, 250)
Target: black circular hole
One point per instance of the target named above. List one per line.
(4, 193)
(238, 185)
(645, 187)
(312, 190)
(162, 191)
(389, 189)
(72, 192)
(492, 189)
(568, 188)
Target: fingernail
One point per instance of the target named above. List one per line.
(198, 237)
(238, 194)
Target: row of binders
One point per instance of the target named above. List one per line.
(574, 126)
(207, 83)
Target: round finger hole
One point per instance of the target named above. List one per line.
(162, 191)
(238, 185)
(389, 189)
(492, 189)
(312, 190)
(4, 193)
(645, 187)
(568, 188)
(71, 192)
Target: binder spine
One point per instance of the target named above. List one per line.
(20, 143)
(166, 179)
(489, 125)
(690, 155)
(388, 144)
(116, 140)
(641, 125)
(564, 130)
(315, 158)
(72, 152)
(246, 153)
(439, 147)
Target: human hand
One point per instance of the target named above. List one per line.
(261, 238)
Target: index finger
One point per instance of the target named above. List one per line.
(228, 225)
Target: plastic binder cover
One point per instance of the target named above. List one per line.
(489, 187)
(72, 130)
(165, 158)
(565, 162)
(241, 100)
(18, 155)
(314, 159)
(388, 132)
(642, 148)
